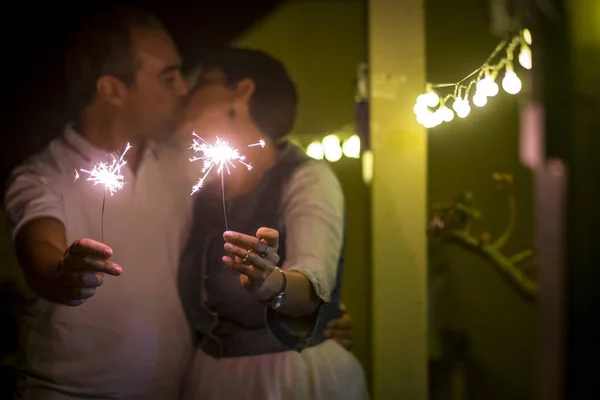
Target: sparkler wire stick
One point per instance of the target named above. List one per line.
(223, 195)
(221, 155)
(102, 218)
(109, 175)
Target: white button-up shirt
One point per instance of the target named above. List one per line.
(132, 339)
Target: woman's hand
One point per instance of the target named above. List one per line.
(255, 258)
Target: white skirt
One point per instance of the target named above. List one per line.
(323, 372)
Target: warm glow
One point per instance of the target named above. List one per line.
(431, 109)
(315, 150)
(511, 82)
(367, 166)
(219, 156)
(527, 36)
(333, 154)
(487, 86)
(446, 113)
(108, 174)
(331, 148)
(525, 57)
(479, 99)
(351, 147)
(462, 107)
(430, 99)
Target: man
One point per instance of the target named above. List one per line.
(132, 340)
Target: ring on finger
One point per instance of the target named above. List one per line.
(245, 259)
(264, 253)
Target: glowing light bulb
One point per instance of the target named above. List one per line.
(527, 36)
(428, 99)
(432, 99)
(487, 86)
(447, 114)
(438, 117)
(427, 119)
(351, 147)
(421, 100)
(315, 150)
(458, 104)
(423, 119)
(330, 141)
(333, 154)
(420, 108)
(462, 107)
(511, 82)
(479, 99)
(525, 57)
(464, 110)
(331, 148)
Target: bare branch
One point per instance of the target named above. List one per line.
(512, 222)
(524, 286)
(452, 222)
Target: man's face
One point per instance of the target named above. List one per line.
(155, 102)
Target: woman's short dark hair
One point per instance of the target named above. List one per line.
(102, 46)
(273, 103)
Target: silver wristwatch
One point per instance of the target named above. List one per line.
(274, 301)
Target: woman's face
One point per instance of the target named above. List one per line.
(215, 109)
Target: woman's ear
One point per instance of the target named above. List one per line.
(244, 90)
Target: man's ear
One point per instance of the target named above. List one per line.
(244, 90)
(112, 89)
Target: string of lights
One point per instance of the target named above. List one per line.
(432, 110)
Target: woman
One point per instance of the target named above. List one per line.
(250, 314)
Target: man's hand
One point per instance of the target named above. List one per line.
(341, 329)
(81, 271)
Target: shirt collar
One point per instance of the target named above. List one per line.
(91, 153)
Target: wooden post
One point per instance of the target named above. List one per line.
(396, 39)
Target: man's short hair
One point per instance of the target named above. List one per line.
(275, 98)
(102, 46)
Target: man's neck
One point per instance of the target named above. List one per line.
(111, 136)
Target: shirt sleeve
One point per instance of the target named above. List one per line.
(32, 193)
(314, 222)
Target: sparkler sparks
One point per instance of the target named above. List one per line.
(109, 175)
(219, 156)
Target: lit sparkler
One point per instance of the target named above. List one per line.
(107, 174)
(219, 156)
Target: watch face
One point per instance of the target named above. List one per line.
(277, 301)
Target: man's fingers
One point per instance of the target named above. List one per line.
(346, 343)
(85, 247)
(79, 293)
(88, 263)
(343, 323)
(334, 333)
(84, 279)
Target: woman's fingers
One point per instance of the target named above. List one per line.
(264, 247)
(250, 271)
(249, 257)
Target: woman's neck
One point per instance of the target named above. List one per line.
(242, 181)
